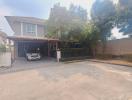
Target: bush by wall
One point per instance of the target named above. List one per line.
(128, 57)
(74, 52)
(2, 48)
(104, 56)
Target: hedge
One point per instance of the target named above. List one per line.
(74, 52)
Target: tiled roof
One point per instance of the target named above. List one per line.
(26, 19)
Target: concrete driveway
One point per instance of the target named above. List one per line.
(74, 81)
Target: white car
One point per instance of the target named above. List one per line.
(33, 56)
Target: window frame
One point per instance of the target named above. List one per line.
(30, 28)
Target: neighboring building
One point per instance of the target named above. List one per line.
(30, 33)
(3, 38)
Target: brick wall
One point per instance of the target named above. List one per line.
(117, 47)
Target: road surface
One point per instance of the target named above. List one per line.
(72, 81)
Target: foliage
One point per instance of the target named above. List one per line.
(75, 32)
(74, 52)
(90, 32)
(103, 15)
(91, 36)
(124, 16)
(104, 56)
(2, 48)
(128, 57)
(77, 12)
(58, 21)
(63, 21)
(72, 25)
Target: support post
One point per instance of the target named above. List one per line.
(48, 49)
(21, 28)
(56, 46)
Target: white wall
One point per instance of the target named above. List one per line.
(5, 59)
(5, 27)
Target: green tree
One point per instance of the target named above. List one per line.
(58, 21)
(90, 36)
(77, 12)
(75, 34)
(63, 23)
(103, 14)
(124, 16)
(2, 48)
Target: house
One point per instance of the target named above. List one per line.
(30, 33)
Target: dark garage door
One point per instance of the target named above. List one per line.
(24, 46)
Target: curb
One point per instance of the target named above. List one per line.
(110, 63)
(73, 61)
(96, 61)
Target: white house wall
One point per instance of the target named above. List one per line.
(5, 27)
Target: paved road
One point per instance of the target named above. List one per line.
(73, 81)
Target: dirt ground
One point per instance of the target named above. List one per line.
(74, 81)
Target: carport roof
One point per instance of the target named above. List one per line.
(22, 38)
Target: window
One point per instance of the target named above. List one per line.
(29, 28)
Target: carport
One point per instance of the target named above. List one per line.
(20, 45)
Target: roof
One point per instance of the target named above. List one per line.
(19, 38)
(26, 19)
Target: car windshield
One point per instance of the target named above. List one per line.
(32, 50)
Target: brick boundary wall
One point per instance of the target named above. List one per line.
(117, 47)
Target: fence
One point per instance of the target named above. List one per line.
(5, 59)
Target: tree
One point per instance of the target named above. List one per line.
(75, 33)
(90, 36)
(62, 22)
(78, 16)
(124, 16)
(58, 21)
(103, 16)
(77, 12)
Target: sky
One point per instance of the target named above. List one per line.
(39, 9)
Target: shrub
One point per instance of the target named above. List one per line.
(128, 57)
(74, 52)
(104, 56)
(2, 48)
